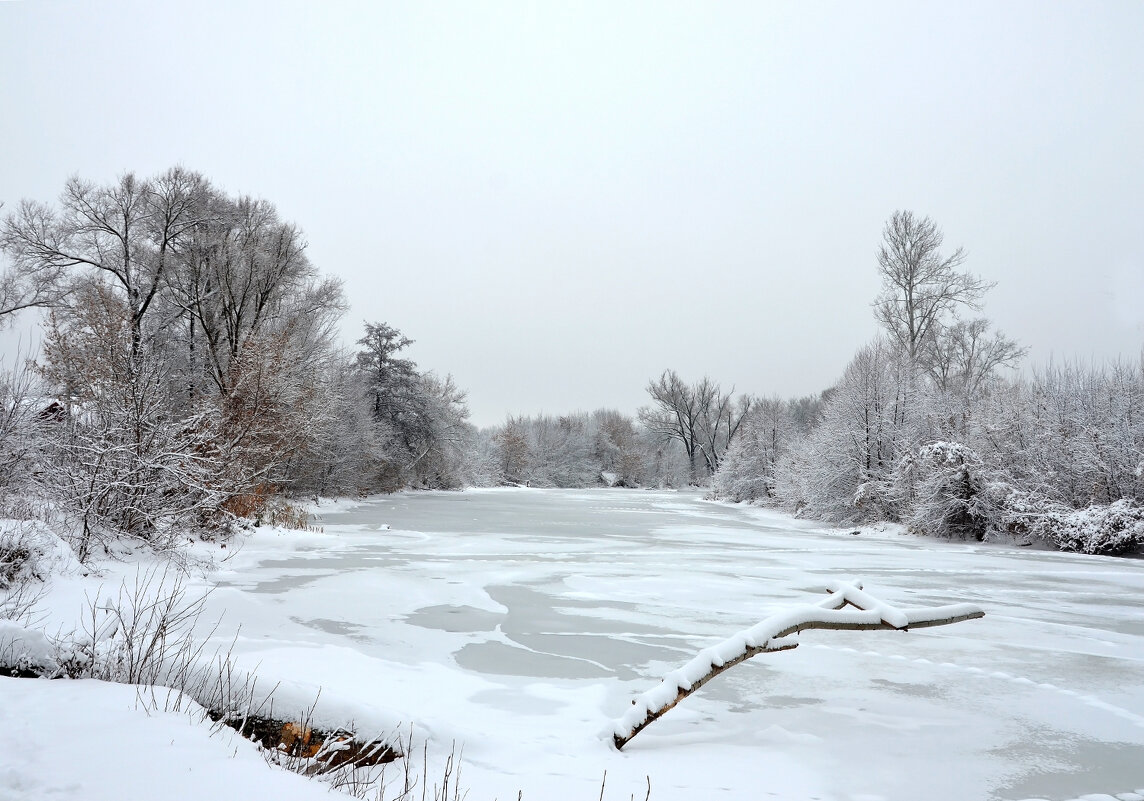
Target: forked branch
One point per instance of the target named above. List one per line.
(769, 635)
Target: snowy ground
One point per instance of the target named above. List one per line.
(104, 742)
(519, 623)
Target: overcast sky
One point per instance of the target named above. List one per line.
(558, 203)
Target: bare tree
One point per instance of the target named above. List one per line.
(965, 354)
(700, 416)
(920, 285)
(722, 421)
(119, 463)
(127, 232)
(25, 284)
(244, 276)
(674, 414)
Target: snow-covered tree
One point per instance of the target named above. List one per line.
(604, 448)
(747, 470)
(618, 449)
(421, 420)
(843, 469)
(21, 414)
(965, 354)
(512, 451)
(443, 463)
(26, 282)
(940, 489)
(118, 462)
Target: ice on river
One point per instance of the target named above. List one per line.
(521, 623)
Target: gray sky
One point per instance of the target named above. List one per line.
(558, 203)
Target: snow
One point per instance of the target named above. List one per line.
(25, 649)
(521, 624)
(100, 742)
(854, 594)
(50, 553)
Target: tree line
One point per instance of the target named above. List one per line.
(191, 374)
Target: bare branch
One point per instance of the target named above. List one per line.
(869, 613)
(920, 286)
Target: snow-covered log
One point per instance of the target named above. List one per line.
(770, 635)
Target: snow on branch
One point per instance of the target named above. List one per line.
(771, 635)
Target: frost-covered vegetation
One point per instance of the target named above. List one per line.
(923, 428)
(190, 372)
(1056, 456)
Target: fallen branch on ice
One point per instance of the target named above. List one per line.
(770, 635)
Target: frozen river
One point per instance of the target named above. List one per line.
(520, 622)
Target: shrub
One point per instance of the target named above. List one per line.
(1109, 529)
(943, 482)
(17, 558)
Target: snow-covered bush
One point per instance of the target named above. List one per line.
(1057, 457)
(26, 652)
(943, 481)
(30, 551)
(1109, 529)
(746, 472)
(17, 559)
(143, 634)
